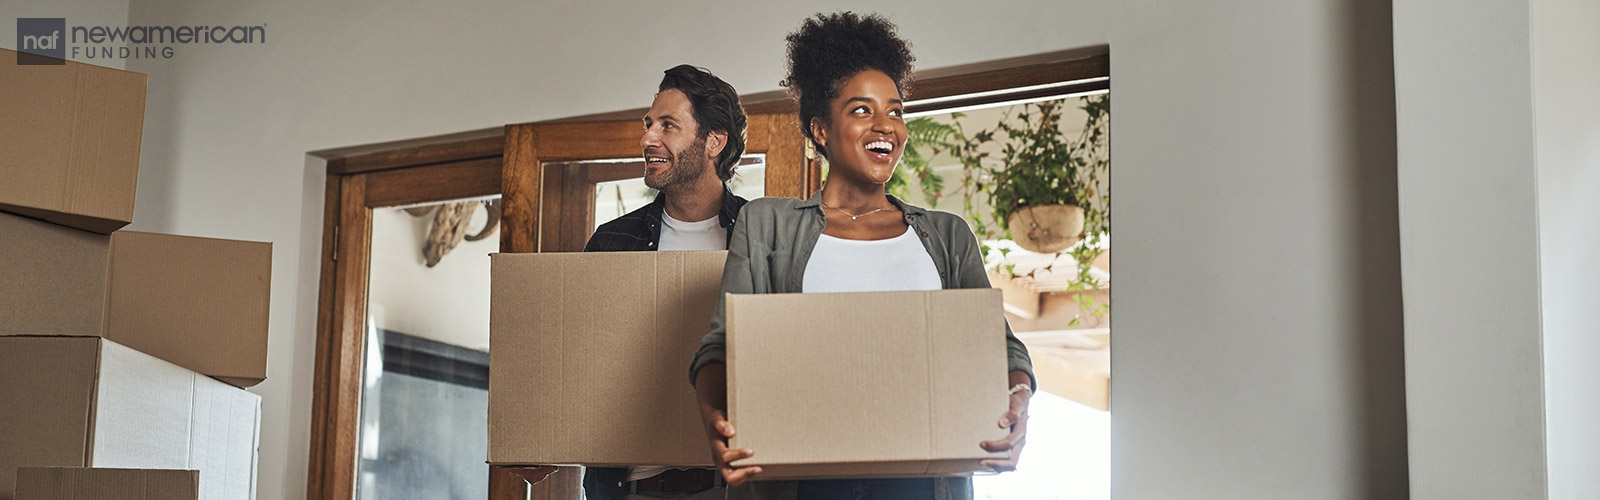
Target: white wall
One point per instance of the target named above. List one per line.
(1478, 214)
(109, 13)
(1566, 104)
(1258, 323)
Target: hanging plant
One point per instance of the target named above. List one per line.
(1039, 188)
(1039, 180)
(1047, 193)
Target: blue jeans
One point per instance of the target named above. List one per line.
(916, 488)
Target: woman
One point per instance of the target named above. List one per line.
(849, 73)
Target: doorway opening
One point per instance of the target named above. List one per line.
(1057, 298)
(550, 182)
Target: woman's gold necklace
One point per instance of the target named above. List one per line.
(854, 216)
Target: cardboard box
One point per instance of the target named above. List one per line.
(202, 303)
(77, 483)
(199, 302)
(89, 402)
(53, 279)
(588, 356)
(71, 136)
(885, 384)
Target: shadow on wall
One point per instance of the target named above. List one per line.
(156, 193)
(1370, 132)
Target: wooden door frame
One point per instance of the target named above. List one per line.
(535, 153)
(457, 165)
(359, 179)
(570, 190)
(532, 148)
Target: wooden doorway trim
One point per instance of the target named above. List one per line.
(535, 152)
(359, 179)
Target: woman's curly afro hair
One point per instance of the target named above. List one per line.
(830, 48)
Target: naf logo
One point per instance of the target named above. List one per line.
(41, 40)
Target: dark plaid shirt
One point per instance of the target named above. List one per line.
(640, 230)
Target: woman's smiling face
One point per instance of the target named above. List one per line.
(867, 131)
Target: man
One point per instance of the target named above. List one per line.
(694, 135)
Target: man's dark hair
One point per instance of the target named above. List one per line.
(715, 106)
(830, 48)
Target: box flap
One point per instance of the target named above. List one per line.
(587, 357)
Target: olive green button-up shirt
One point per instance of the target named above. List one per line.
(768, 252)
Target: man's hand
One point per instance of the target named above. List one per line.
(711, 388)
(533, 474)
(718, 430)
(1015, 419)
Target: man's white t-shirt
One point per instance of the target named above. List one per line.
(895, 264)
(679, 235)
(703, 235)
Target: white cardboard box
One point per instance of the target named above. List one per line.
(90, 402)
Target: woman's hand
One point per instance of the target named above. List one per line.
(711, 388)
(1015, 419)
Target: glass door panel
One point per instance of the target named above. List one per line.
(425, 376)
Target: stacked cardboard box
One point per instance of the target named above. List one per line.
(89, 402)
(589, 355)
(71, 483)
(71, 140)
(114, 345)
(201, 303)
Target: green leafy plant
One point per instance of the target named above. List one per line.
(1038, 165)
(1093, 155)
(923, 134)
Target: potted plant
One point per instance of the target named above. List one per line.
(1041, 186)
(1046, 191)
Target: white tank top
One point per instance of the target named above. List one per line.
(900, 263)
